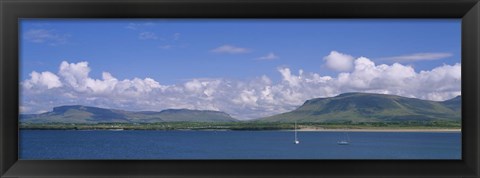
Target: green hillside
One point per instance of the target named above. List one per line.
(86, 114)
(344, 108)
(365, 107)
(454, 103)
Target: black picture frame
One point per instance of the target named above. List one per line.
(12, 10)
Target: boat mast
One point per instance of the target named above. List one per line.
(296, 140)
(295, 130)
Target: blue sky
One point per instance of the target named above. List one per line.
(110, 45)
(206, 56)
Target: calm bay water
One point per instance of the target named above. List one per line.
(66, 144)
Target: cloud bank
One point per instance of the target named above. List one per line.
(243, 99)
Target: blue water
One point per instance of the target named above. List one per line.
(61, 144)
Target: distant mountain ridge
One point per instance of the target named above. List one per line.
(88, 114)
(347, 107)
(367, 107)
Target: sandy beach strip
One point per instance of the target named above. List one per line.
(375, 130)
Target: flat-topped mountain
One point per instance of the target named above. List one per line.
(367, 107)
(88, 114)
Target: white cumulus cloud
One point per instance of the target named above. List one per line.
(42, 80)
(339, 61)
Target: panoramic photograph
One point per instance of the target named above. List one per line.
(164, 89)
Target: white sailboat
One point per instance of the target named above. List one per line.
(296, 138)
(345, 141)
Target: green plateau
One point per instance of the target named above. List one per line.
(366, 107)
(87, 114)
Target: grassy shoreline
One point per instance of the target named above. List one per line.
(301, 130)
(249, 126)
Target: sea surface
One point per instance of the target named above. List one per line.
(134, 144)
